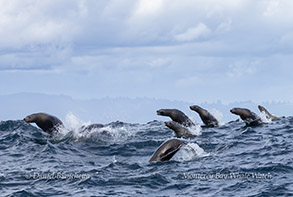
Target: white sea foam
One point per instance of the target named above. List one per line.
(218, 115)
(264, 118)
(195, 130)
(114, 160)
(74, 122)
(189, 152)
(193, 119)
(116, 134)
(109, 132)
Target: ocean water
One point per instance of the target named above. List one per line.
(231, 160)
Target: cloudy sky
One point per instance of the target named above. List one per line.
(188, 50)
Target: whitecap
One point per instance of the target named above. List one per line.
(110, 132)
(218, 115)
(264, 118)
(195, 130)
(189, 152)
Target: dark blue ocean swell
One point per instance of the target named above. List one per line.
(231, 160)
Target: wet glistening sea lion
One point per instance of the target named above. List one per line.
(177, 116)
(46, 122)
(208, 119)
(249, 117)
(180, 131)
(268, 114)
(167, 150)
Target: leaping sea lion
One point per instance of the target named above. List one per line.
(268, 114)
(177, 116)
(180, 131)
(46, 122)
(249, 117)
(167, 150)
(208, 119)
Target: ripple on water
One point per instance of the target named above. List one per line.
(116, 162)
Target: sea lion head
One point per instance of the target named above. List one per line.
(166, 112)
(169, 123)
(196, 108)
(245, 114)
(261, 108)
(31, 118)
(238, 111)
(173, 125)
(160, 112)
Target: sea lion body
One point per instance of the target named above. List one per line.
(46, 122)
(177, 116)
(208, 119)
(167, 150)
(268, 114)
(249, 117)
(180, 131)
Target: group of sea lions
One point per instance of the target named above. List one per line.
(180, 124)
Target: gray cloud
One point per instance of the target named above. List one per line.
(148, 48)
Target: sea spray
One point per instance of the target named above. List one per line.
(189, 152)
(218, 115)
(264, 118)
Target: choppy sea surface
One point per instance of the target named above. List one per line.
(231, 160)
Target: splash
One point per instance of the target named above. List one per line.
(189, 152)
(74, 122)
(193, 119)
(114, 160)
(218, 115)
(264, 118)
(195, 130)
(62, 132)
(116, 131)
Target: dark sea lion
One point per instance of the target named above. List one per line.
(167, 150)
(180, 131)
(46, 122)
(208, 119)
(249, 117)
(177, 116)
(268, 114)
